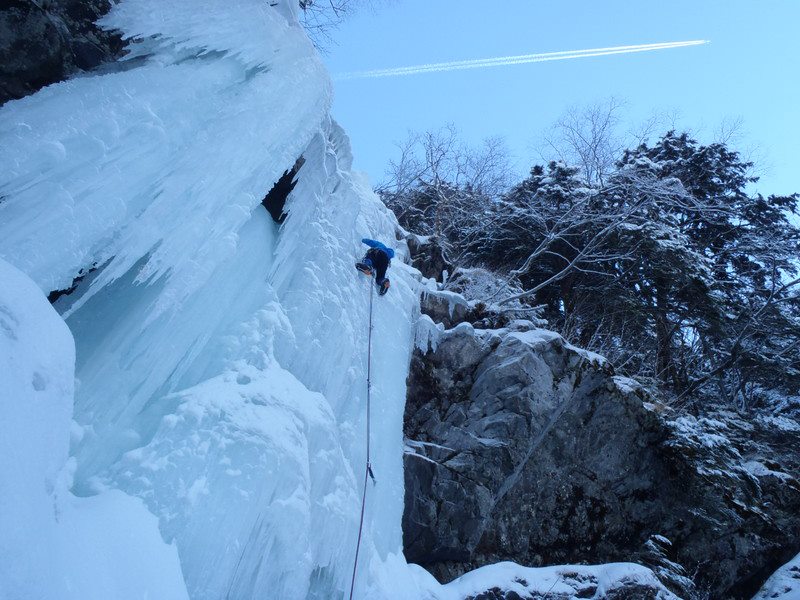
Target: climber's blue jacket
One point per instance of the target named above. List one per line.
(373, 244)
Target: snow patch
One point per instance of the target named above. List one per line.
(758, 469)
(784, 583)
(567, 581)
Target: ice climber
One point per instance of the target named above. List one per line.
(377, 258)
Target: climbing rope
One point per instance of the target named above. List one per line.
(552, 586)
(368, 469)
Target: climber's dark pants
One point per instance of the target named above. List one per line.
(379, 261)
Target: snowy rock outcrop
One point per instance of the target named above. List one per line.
(428, 256)
(446, 308)
(54, 545)
(521, 447)
(509, 581)
(470, 295)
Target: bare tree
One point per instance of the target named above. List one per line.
(438, 183)
(587, 137)
(730, 131)
(438, 156)
(321, 17)
(657, 123)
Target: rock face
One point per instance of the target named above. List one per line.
(446, 308)
(521, 447)
(44, 42)
(428, 256)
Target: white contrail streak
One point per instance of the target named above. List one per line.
(521, 59)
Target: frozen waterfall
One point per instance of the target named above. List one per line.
(221, 360)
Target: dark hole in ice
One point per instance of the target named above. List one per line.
(275, 200)
(56, 294)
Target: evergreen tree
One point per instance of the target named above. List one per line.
(667, 264)
(712, 269)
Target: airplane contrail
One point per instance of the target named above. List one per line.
(521, 59)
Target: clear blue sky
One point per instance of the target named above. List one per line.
(750, 70)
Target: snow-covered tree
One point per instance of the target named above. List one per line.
(440, 186)
(664, 262)
(723, 288)
(708, 274)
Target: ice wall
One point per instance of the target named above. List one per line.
(221, 361)
(53, 545)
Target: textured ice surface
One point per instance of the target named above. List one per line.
(53, 545)
(221, 361)
(165, 160)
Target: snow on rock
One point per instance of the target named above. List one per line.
(759, 470)
(539, 338)
(482, 288)
(55, 545)
(626, 384)
(447, 308)
(507, 581)
(428, 256)
(784, 583)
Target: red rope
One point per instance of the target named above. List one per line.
(368, 466)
